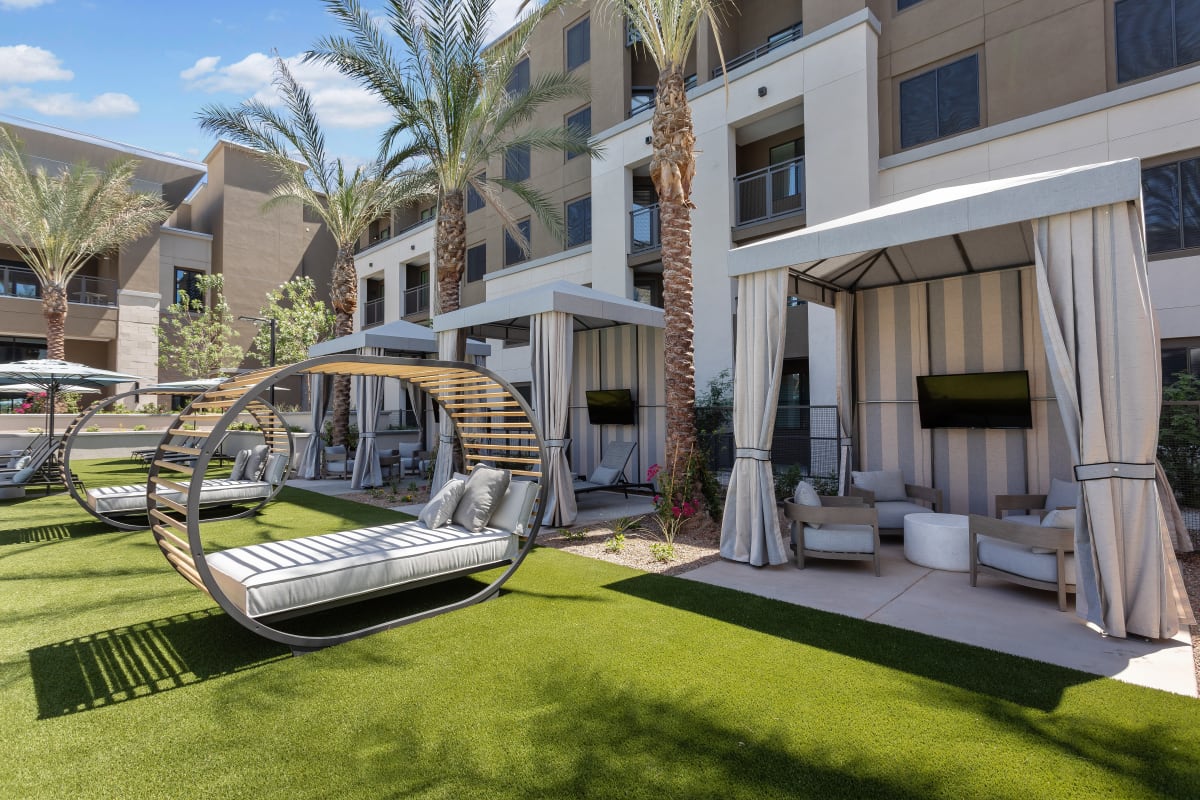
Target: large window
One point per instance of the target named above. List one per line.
(903, 4)
(579, 221)
(1154, 36)
(581, 120)
(519, 80)
(188, 282)
(476, 262)
(16, 348)
(513, 254)
(474, 199)
(941, 102)
(579, 43)
(1171, 201)
(516, 163)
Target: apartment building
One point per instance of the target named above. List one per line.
(216, 226)
(825, 108)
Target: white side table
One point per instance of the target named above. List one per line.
(938, 541)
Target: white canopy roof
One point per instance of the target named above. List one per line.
(945, 232)
(507, 317)
(400, 335)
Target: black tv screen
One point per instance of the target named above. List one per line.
(977, 400)
(610, 407)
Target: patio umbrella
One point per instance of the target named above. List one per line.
(54, 376)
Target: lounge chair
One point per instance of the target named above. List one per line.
(1041, 556)
(894, 499)
(843, 528)
(337, 463)
(611, 472)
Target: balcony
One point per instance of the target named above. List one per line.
(416, 300)
(771, 192)
(373, 313)
(644, 230)
(777, 40)
(88, 290)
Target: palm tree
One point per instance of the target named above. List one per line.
(57, 222)
(293, 144)
(451, 97)
(668, 29)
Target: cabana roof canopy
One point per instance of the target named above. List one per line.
(401, 336)
(507, 317)
(939, 234)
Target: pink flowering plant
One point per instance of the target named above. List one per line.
(674, 503)
(34, 403)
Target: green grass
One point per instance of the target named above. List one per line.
(584, 679)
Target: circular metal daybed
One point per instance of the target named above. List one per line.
(276, 435)
(491, 419)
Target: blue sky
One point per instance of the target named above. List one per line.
(137, 71)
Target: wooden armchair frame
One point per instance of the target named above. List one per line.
(833, 511)
(1061, 540)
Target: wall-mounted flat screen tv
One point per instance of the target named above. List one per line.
(610, 407)
(976, 400)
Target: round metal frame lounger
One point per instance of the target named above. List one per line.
(491, 419)
(275, 431)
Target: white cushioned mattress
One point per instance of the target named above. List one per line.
(215, 492)
(275, 577)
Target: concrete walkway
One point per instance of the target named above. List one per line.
(996, 615)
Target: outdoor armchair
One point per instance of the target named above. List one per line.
(1038, 556)
(894, 499)
(1035, 507)
(336, 463)
(839, 527)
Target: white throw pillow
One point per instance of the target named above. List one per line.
(22, 462)
(440, 508)
(1060, 518)
(484, 489)
(239, 465)
(887, 484)
(1062, 494)
(276, 467)
(806, 495)
(513, 510)
(255, 463)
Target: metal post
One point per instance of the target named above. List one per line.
(274, 322)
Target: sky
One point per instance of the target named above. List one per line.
(138, 71)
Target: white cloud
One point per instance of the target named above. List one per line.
(339, 101)
(203, 66)
(21, 5)
(65, 104)
(22, 63)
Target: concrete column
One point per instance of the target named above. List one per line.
(611, 197)
(713, 290)
(136, 344)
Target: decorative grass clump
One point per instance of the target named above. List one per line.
(584, 679)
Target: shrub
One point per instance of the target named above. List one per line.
(615, 544)
(139, 427)
(92, 429)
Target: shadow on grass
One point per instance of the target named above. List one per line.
(45, 534)
(122, 664)
(1006, 677)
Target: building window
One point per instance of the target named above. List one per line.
(15, 348)
(476, 262)
(187, 281)
(1179, 359)
(1171, 202)
(581, 120)
(579, 221)
(1154, 36)
(519, 80)
(516, 163)
(474, 198)
(940, 102)
(903, 4)
(579, 43)
(426, 214)
(513, 254)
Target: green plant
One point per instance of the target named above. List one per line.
(35, 430)
(196, 334)
(351, 436)
(572, 533)
(412, 486)
(153, 408)
(662, 551)
(296, 428)
(625, 525)
(1179, 437)
(91, 429)
(70, 402)
(786, 480)
(301, 320)
(615, 543)
(139, 427)
(675, 501)
(825, 484)
(713, 406)
(240, 425)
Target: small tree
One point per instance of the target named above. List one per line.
(197, 338)
(1179, 438)
(301, 320)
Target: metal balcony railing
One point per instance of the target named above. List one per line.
(416, 299)
(373, 312)
(22, 282)
(774, 191)
(644, 229)
(778, 40)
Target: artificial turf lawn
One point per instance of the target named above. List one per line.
(584, 679)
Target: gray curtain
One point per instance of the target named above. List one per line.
(750, 528)
(310, 460)
(844, 307)
(370, 404)
(444, 465)
(552, 346)
(1102, 350)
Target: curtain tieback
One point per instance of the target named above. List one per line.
(555, 443)
(1114, 469)
(752, 452)
(367, 435)
(444, 439)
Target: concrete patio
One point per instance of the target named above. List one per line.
(996, 615)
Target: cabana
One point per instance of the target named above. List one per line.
(555, 320)
(1045, 273)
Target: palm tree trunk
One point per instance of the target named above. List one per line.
(672, 168)
(451, 248)
(344, 295)
(54, 309)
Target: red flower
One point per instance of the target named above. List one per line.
(652, 471)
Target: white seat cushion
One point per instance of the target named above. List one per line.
(1020, 560)
(274, 577)
(214, 492)
(892, 512)
(1024, 519)
(840, 538)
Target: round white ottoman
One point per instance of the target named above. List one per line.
(938, 541)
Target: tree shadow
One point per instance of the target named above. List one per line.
(126, 663)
